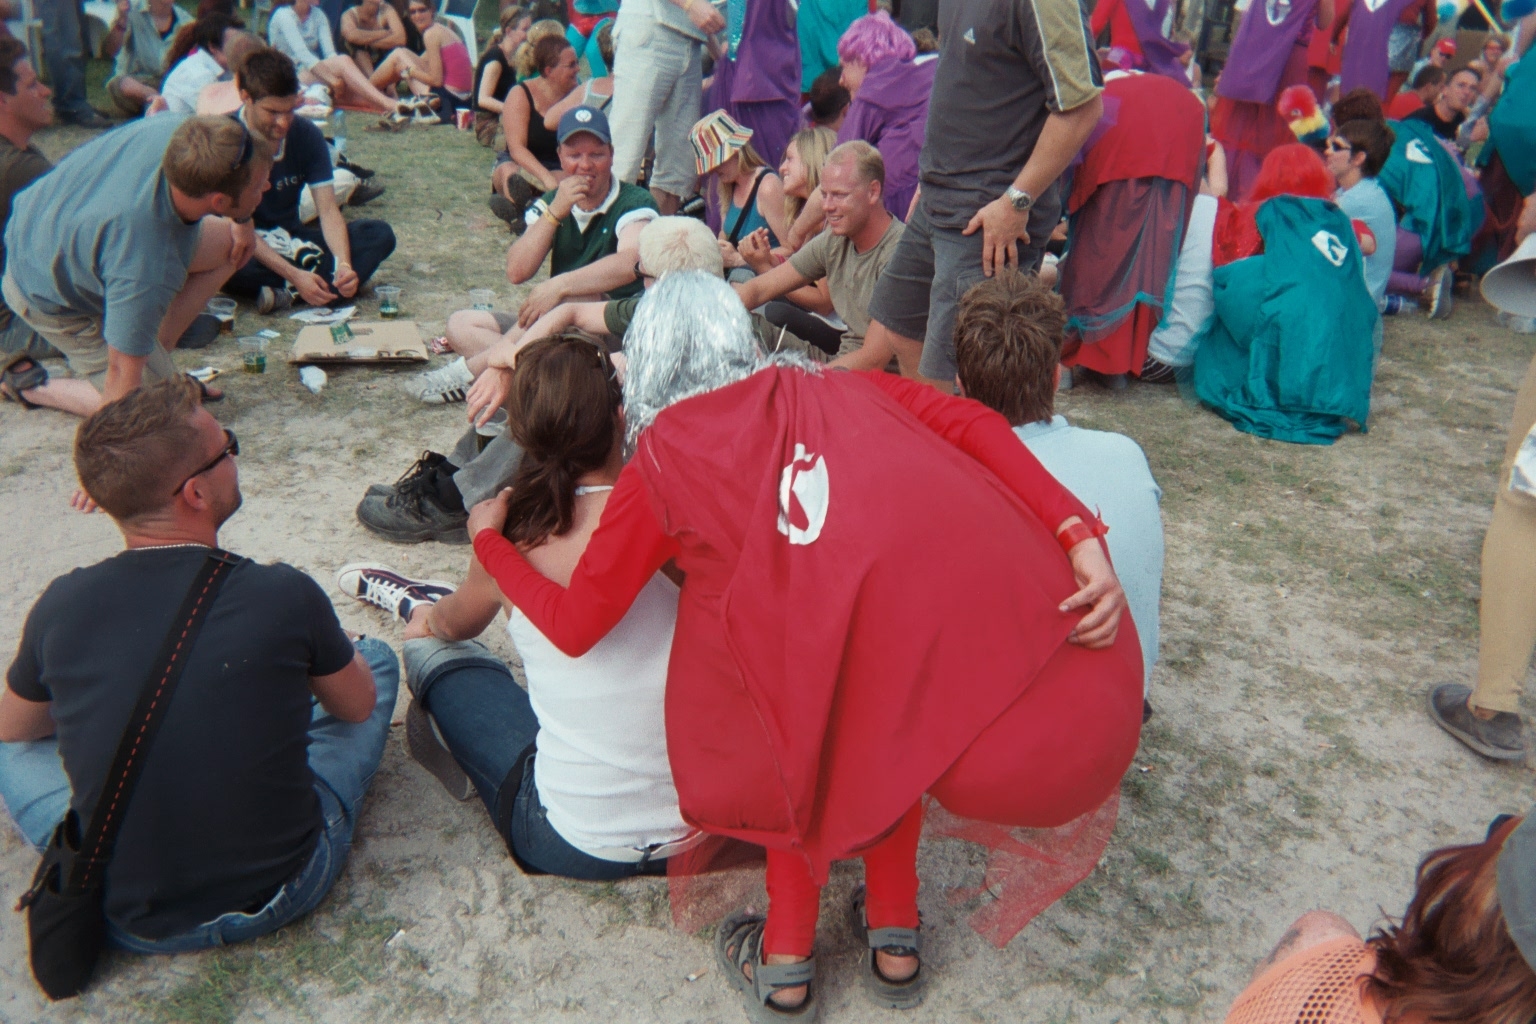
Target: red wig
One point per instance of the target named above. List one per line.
(1292, 170)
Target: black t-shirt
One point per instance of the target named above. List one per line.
(1444, 129)
(305, 161)
(504, 81)
(225, 811)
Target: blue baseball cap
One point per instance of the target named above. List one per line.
(583, 119)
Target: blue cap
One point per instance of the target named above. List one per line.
(583, 119)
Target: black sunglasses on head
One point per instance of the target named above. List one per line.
(247, 147)
(231, 449)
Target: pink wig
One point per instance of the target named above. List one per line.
(874, 39)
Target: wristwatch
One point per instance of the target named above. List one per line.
(1020, 199)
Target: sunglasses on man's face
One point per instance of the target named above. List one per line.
(231, 449)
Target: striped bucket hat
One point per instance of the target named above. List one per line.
(715, 138)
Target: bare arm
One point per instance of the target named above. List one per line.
(526, 255)
(396, 28)
(770, 203)
(463, 614)
(431, 69)
(348, 694)
(22, 721)
(124, 375)
(779, 281)
(515, 113)
(808, 224)
(570, 101)
(487, 97)
(333, 227)
(1310, 929)
(1324, 16)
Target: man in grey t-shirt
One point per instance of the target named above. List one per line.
(112, 255)
(1014, 99)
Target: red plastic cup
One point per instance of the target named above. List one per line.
(465, 119)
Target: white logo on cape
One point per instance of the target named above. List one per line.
(1416, 153)
(1277, 10)
(970, 36)
(804, 480)
(1375, 5)
(1333, 250)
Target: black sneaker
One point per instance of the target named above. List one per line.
(412, 518)
(423, 469)
(91, 119)
(359, 172)
(364, 193)
(1499, 738)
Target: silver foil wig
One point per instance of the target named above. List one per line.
(691, 334)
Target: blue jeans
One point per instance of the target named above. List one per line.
(343, 757)
(64, 55)
(488, 724)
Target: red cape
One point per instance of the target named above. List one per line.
(1158, 132)
(830, 665)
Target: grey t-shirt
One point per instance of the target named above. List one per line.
(850, 274)
(1004, 66)
(98, 235)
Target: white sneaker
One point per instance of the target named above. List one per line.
(386, 589)
(443, 385)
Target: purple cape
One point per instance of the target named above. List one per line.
(760, 88)
(1364, 60)
(1262, 48)
(1161, 54)
(890, 112)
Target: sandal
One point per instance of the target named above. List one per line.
(738, 942)
(393, 123)
(893, 995)
(22, 376)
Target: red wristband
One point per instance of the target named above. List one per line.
(1078, 532)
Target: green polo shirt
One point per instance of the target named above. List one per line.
(584, 238)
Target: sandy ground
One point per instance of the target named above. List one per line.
(1311, 596)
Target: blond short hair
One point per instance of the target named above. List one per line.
(679, 243)
(866, 160)
(204, 156)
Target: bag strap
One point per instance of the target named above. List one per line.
(757, 183)
(133, 749)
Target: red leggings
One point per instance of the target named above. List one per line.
(1056, 753)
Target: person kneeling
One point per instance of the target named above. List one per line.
(243, 815)
(573, 772)
(316, 264)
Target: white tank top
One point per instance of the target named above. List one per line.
(602, 771)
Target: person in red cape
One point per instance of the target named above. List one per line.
(886, 596)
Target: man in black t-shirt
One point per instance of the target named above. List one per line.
(245, 809)
(319, 264)
(1449, 110)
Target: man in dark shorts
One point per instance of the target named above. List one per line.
(243, 816)
(316, 264)
(1015, 97)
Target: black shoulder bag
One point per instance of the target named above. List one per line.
(757, 183)
(66, 917)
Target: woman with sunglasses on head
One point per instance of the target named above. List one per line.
(301, 30)
(574, 772)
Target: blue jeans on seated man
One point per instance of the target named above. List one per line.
(343, 757)
(371, 242)
(488, 724)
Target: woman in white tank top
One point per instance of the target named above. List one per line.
(574, 772)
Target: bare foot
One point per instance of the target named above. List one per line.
(895, 968)
(788, 998)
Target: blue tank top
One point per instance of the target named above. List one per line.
(749, 219)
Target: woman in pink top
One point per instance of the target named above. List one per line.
(443, 70)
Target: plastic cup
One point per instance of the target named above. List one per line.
(490, 430)
(389, 301)
(482, 299)
(224, 309)
(253, 354)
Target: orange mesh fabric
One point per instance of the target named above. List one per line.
(1319, 985)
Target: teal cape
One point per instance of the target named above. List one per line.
(1424, 182)
(1290, 352)
(1512, 126)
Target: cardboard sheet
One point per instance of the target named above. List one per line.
(392, 341)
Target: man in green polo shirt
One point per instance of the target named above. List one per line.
(589, 227)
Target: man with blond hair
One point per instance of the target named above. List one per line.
(850, 252)
(114, 253)
(244, 808)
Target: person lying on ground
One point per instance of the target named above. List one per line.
(139, 38)
(1008, 338)
(596, 800)
(300, 29)
(318, 265)
(207, 62)
(494, 75)
(370, 32)
(430, 500)
(244, 813)
(1463, 950)
(113, 284)
(818, 540)
(24, 110)
(850, 254)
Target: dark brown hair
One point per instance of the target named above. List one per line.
(206, 32)
(563, 410)
(267, 72)
(1428, 75)
(548, 51)
(1373, 138)
(1451, 959)
(1358, 105)
(12, 52)
(130, 453)
(1007, 344)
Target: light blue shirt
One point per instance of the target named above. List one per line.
(1368, 203)
(98, 235)
(1109, 473)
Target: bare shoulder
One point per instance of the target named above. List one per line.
(1310, 929)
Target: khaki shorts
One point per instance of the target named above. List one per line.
(78, 337)
(127, 106)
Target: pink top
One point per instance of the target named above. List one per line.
(458, 75)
